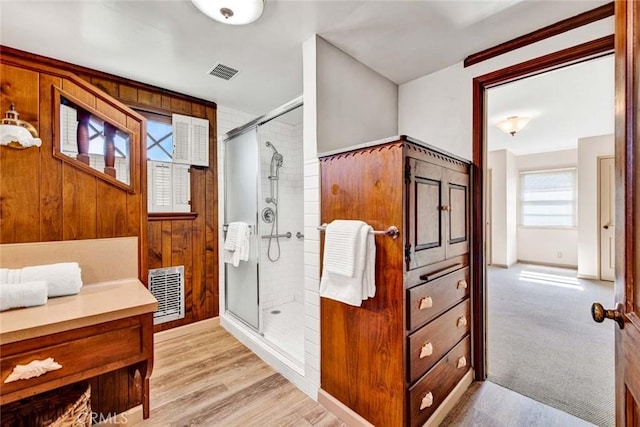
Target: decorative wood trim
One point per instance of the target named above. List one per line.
(560, 27)
(558, 59)
(172, 216)
(58, 93)
(80, 70)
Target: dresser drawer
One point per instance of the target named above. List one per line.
(428, 393)
(83, 353)
(428, 300)
(429, 343)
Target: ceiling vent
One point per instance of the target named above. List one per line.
(223, 71)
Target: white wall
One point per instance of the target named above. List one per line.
(503, 203)
(557, 246)
(589, 149)
(354, 103)
(437, 108)
(345, 103)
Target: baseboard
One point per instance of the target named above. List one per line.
(499, 265)
(352, 419)
(127, 418)
(548, 264)
(587, 276)
(201, 326)
(451, 401)
(342, 411)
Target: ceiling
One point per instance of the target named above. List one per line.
(172, 45)
(564, 105)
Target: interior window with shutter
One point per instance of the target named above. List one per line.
(181, 138)
(548, 198)
(190, 140)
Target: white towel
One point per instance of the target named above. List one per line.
(341, 239)
(18, 295)
(232, 236)
(353, 290)
(240, 252)
(62, 278)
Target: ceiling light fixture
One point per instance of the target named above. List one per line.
(17, 133)
(513, 124)
(232, 12)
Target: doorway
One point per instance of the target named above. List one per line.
(546, 282)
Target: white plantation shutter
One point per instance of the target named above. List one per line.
(190, 140)
(159, 183)
(181, 138)
(68, 129)
(181, 188)
(199, 142)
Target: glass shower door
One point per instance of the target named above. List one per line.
(241, 204)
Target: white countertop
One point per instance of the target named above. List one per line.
(96, 303)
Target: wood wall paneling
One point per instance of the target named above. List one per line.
(50, 168)
(43, 198)
(20, 168)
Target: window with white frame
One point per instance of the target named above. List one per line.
(548, 198)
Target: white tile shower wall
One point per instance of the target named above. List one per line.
(312, 274)
(281, 280)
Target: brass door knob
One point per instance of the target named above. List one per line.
(599, 313)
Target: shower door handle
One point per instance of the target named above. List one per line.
(299, 235)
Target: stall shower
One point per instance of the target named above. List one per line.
(264, 188)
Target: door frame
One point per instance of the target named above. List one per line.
(573, 55)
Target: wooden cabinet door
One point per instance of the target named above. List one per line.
(456, 210)
(425, 215)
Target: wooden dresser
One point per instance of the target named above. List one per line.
(395, 359)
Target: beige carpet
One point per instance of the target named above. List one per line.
(542, 341)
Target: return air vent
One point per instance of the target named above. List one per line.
(223, 71)
(167, 285)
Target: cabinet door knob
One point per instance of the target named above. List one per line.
(462, 362)
(425, 302)
(426, 350)
(462, 284)
(462, 321)
(427, 401)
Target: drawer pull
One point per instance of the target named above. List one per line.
(35, 368)
(462, 321)
(426, 350)
(462, 284)
(462, 362)
(425, 302)
(427, 401)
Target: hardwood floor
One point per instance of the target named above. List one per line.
(211, 379)
(486, 404)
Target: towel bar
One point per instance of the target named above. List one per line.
(226, 226)
(392, 231)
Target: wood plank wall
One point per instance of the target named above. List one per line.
(45, 199)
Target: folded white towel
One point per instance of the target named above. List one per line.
(232, 236)
(241, 245)
(353, 290)
(341, 239)
(62, 278)
(16, 295)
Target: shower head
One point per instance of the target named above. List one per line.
(273, 147)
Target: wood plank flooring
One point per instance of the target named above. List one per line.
(211, 379)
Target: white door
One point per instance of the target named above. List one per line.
(488, 204)
(607, 218)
